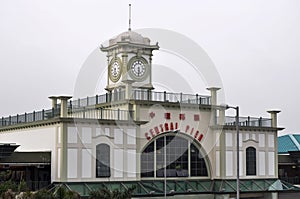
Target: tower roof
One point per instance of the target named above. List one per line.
(131, 37)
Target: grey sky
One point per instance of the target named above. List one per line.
(254, 45)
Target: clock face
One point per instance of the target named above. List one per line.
(115, 70)
(138, 68)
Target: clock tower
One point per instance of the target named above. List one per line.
(129, 59)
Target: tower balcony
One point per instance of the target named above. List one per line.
(142, 95)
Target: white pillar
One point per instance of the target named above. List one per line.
(274, 114)
(213, 93)
(64, 105)
(53, 101)
(221, 116)
(274, 117)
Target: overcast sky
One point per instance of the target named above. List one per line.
(254, 45)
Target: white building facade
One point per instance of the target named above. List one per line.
(161, 143)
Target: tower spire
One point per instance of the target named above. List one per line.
(129, 28)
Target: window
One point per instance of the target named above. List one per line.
(103, 161)
(147, 160)
(198, 167)
(176, 155)
(177, 158)
(250, 161)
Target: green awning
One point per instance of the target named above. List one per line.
(147, 188)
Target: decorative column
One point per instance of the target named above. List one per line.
(53, 101)
(213, 94)
(64, 105)
(274, 117)
(64, 139)
(64, 135)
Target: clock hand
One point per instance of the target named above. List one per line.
(138, 71)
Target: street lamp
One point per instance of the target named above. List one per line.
(165, 165)
(237, 149)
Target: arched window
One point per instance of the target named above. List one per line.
(103, 160)
(250, 161)
(179, 158)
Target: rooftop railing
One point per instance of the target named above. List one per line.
(29, 117)
(87, 113)
(99, 113)
(249, 121)
(171, 97)
(83, 108)
(143, 95)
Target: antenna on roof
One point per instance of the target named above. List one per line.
(129, 28)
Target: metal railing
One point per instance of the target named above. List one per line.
(86, 113)
(83, 108)
(100, 113)
(29, 117)
(97, 99)
(249, 121)
(144, 95)
(171, 97)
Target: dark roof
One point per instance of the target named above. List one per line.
(27, 158)
(288, 143)
(6, 149)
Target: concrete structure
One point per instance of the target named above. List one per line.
(160, 142)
